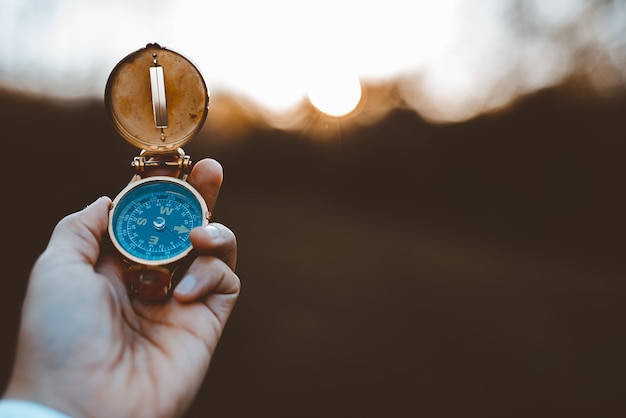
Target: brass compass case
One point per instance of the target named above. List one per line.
(158, 101)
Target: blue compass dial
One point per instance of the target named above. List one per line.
(152, 218)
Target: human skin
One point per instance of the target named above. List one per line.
(87, 349)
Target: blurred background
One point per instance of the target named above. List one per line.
(427, 196)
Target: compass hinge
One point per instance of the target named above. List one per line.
(176, 164)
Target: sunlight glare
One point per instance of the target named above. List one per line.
(335, 94)
(455, 59)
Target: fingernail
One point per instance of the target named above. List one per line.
(212, 231)
(186, 285)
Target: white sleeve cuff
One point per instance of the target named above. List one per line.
(15, 408)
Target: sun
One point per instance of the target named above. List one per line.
(335, 94)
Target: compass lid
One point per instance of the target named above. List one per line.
(157, 99)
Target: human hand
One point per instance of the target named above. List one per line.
(86, 349)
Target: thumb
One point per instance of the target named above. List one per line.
(80, 234)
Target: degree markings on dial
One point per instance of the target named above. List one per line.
(154, 244)
(155, 224)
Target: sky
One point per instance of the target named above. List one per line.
(451, 58)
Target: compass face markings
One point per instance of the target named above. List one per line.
(153, 220)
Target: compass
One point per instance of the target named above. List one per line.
(158, 101)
